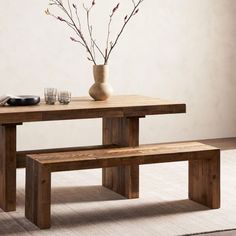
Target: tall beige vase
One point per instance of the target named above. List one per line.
(100, 90)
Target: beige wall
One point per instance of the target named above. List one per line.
(183, 50)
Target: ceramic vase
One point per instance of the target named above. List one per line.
(100, 90)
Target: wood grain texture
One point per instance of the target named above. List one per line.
(38, 194)
(21, 155)
(204, 181)
(122, 179)
(162, 209)
(8, 167)
(82, 108)
(204, 172)
(125, 156)
(79, 108)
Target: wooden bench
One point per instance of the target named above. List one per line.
(204, 171)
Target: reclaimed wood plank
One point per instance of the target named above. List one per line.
(83, 108)
(122, 179)
(38, 194)
(204, 181)
(120, 156)
(204, 171)
(8, 167)
(21, 155)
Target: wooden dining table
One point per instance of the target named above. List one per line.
(120, 126)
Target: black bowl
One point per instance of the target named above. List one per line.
(24, 100)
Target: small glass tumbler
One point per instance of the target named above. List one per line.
(50, 95)
(64, 97)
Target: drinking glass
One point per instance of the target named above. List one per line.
(64, 97)
(50, 95)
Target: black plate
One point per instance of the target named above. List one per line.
(24, 100)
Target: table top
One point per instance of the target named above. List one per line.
(85, 107)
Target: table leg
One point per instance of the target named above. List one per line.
(204, 181)
(123, 132)
(8, 167)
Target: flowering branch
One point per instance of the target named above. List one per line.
(75, 25)
(126, 20)
(109, 30)
(77, 15)
(90, 29)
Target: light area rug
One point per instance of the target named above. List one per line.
(80, 206)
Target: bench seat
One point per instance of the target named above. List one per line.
(108, 157)
(204, 171)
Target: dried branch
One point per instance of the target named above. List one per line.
(93, 42)
(133, 12)
(77, 41)
(109, 29)
(73, 21)
(78, 31)
(68, 2)
(77, 15)
(63, 20)
(90, 29)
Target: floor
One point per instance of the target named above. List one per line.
(223, 144)
(93, 210)
(226, 233)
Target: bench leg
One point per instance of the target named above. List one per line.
(204, 180)
(8, 167)
(38, 194)
(123, 132)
